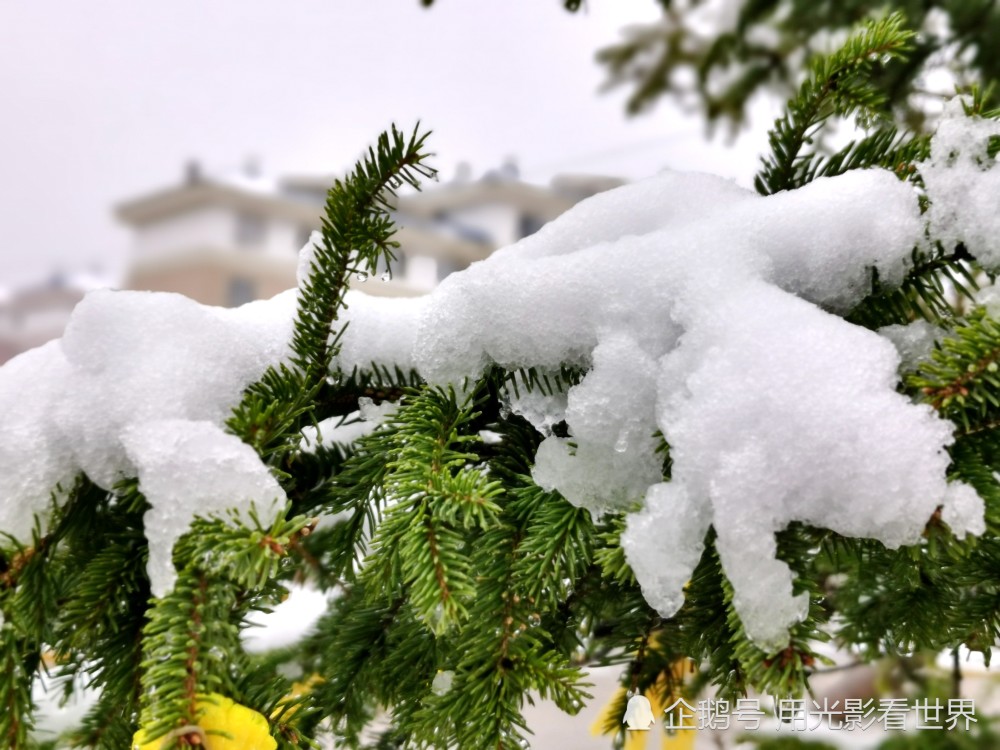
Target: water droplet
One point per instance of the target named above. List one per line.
(386, 276)
(621, 444)
(361, 276)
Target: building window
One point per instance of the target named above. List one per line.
(251, 230)
(529, 224)
(240, 291)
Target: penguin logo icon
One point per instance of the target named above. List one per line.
(638, 714)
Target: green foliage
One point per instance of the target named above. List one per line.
(442, 498)
(769, 43)
(961, 380)
(356, 236)
(460, 589)
(838, 86)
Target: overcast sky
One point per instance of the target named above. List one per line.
(106, 99)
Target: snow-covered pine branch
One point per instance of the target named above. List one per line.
(681, 313)
(698, 308)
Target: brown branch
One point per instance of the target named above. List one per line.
(20, 561)
(957, 386)
(194, 735)
(991, 425)
(436, 557)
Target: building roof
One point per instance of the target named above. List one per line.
(300, 198)
(545, 202)
(181, 199)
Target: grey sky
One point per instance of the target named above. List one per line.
(106, 99)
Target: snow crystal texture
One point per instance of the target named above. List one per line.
(698, 311)
(129, 364)
(709, 314)
(187, 468)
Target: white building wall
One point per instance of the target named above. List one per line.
(215, 227)
(285, 237)
(203, 227)
(421, 272)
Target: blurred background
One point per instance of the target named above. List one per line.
(187, 146)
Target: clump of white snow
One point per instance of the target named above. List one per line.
(543, 411)
(345, 430)
(131, 362)
(187, 469)
(135, 357)
(381, 331)
(441, 684)
(34, 457)
(914, 341)
(786, 414)
(374, 413)
(614, 459)
(708, 313)
(697, 309)
(964, 511)
(963, 184)
(289, 622)
(334, 431)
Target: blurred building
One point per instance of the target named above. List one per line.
(227, 240)
(32, 315)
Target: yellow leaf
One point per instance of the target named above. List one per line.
(222, 725)
(645, 740)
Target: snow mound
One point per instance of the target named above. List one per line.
(187, 468)
(710, 314)
(963, 184)
(129, 364)
(697, 310)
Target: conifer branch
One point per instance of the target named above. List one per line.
(189, 642)
(448, 560)
(356, 235)
(836, 85)
(928, 292)
(15, 691)
(961, 380)
(441, 496)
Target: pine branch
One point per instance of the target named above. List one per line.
(353, 641)
(189, 643)
(836, 85)
(929, 291)
(16, 673)
(108, 725)
(961, 381)
(886, 148)
(531, 379)
(357, 235)
(441, 496)
(248, 557)
(504, 648)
